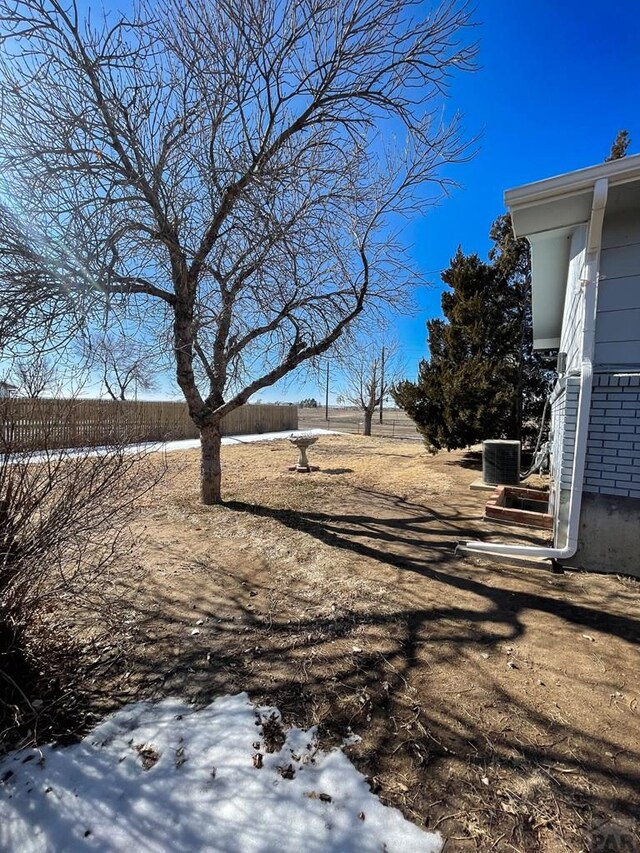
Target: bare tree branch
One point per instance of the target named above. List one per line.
(231, 170)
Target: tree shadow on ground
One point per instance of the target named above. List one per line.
(423, 542)
(40, 692)
(415, 661)
(427, 744)
(471, 459)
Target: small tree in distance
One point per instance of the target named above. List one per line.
(227, 171)
(369, 372)
(124, 367)
(36, 375)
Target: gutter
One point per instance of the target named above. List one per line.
(589, 301)
(620, 171)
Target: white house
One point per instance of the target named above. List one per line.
(584, 231)
(6, 389)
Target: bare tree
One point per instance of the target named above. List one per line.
(35, 375)
(124, 366)
(229, 169)
(369, 370)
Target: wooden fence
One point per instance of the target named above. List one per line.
(39, 424)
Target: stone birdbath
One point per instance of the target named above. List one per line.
(302, 442)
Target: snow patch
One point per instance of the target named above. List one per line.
(165, 777)
(166, 446)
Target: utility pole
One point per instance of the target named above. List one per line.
(326, 396)
(381, 383)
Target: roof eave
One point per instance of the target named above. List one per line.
(618, 171)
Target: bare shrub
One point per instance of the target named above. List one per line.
(63, 534)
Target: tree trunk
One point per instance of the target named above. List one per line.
(367, 422)
(210, 470)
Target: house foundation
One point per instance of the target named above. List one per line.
(609, 535)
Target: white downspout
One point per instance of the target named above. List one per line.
(589, 295)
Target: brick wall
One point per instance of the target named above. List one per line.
(613, 444)
(564, 413)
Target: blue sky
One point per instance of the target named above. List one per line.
(556, 81)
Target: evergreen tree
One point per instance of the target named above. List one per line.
(483, 378)
(620, 145)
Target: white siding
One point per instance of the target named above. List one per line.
(564, 410)
(572, 320)
(557, 431)
(564, 413)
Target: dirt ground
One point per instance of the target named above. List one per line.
(498, 704)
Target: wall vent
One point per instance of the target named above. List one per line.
(501, 462)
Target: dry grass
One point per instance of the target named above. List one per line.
(498, 704)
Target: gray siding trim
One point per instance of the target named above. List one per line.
(617, 354)
(622, 325)
(622, 224)
(618, 294)
(618, 317)
(620, 261)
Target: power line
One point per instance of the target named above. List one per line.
(381, 383)
(326, 396)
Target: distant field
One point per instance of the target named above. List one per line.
(395, 423)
